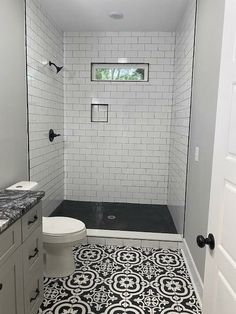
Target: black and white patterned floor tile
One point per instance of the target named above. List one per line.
(122, 280)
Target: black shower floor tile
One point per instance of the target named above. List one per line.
(127, 217)
(117, 280)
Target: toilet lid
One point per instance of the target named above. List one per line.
(57, 226)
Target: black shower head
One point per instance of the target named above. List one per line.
(57, 68)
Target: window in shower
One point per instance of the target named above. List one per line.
(125, 72)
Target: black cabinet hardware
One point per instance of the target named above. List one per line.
(30, 222)
(35, 253)
(37, 292)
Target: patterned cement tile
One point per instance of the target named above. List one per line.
(122, 280)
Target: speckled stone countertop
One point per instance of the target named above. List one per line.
(14, 204)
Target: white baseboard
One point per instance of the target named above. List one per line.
(192, 269)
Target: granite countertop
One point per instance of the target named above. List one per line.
(14, 204)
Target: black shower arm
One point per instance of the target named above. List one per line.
(52, 63)
(57, 67)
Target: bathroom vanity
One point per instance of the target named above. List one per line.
(21, 256)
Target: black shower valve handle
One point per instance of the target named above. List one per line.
(52, 135)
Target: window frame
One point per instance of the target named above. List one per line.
(120, 64)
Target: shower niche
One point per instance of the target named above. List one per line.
(99, 113)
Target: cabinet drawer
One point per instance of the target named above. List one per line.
(31, 220)
(32, 253)
(9, 241)
(33, 291)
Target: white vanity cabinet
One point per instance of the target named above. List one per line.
(21, 265)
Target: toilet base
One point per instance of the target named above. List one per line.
(58, 260)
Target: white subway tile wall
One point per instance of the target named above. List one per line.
(181, 115)
(45, 43)
(140, 155)
(126, 159)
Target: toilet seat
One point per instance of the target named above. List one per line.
(62, 230)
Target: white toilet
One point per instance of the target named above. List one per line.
(60, 234)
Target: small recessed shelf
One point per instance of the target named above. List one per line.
(99, 112)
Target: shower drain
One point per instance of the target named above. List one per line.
(111, 217)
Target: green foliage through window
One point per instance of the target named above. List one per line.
(119, 73)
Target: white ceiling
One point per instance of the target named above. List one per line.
(93, 15)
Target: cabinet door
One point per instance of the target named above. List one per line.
(10, 240)
(11, 285)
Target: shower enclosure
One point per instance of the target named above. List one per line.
(121, 104)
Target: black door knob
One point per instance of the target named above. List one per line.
(52, 135)
(210, 240)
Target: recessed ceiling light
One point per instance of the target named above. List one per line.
(116, 15)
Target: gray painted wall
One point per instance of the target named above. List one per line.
(205, 86)
(13, 115)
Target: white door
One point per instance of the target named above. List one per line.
(220, 273)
